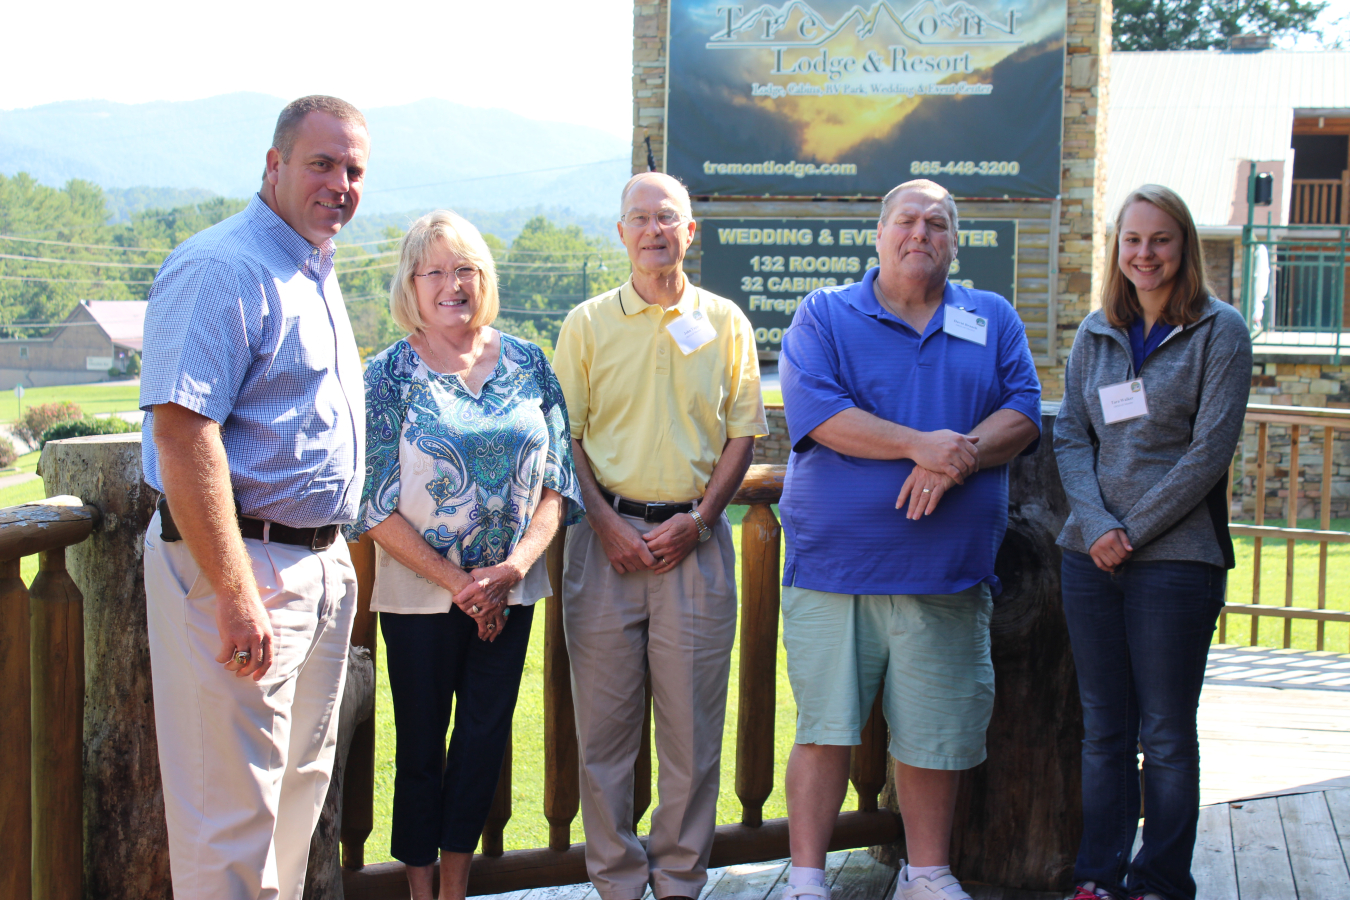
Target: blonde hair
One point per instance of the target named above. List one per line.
(456, 234)
(1190, 289)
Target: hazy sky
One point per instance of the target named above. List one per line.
(561, 61)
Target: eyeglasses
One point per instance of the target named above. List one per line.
(665, 218)
(437, 277)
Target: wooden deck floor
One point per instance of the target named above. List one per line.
(1275, 794)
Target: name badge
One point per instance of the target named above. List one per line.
(966, 325)
(1126, 400)
(691, 331)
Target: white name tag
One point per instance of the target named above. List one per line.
(965, 325)
(691, 331)
(1126, 400)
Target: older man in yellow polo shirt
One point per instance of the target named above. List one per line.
(662, 388)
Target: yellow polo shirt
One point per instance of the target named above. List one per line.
(653, 421)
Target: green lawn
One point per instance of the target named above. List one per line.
(92, 399)
(773, 397)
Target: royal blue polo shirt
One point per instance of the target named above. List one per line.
(844, 349)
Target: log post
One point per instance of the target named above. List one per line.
(759, 655)
(16, 825)
(500, 811)
(562, 788)
(126, 853)
(358, 781)
(1019, 814)
(58, 712)
(868, 761)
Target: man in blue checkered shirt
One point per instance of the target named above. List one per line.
(254, 433)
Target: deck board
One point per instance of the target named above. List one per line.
(1212, 862)
(1315, 854)
(1260, 853)
(1262, 740)
(1338, 804)
(863, 878)
(752, 881)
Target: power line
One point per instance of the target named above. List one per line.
(9, 237)
(71, 280)
(80, 262)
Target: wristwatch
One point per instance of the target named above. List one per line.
(704, 532)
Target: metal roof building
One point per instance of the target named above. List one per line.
(1191, 119)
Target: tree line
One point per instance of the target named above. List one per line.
(57, 247)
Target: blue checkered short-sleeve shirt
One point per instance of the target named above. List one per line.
(246, 326)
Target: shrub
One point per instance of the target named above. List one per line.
(7, 453)
(84, 427)
(37, 419)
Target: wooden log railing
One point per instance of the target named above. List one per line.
(81, 810)
(42, 702)
(753, 839)
(1298, 421)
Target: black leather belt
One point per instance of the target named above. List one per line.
(316, 539)
(647, 512)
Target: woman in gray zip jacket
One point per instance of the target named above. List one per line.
(1154, 397)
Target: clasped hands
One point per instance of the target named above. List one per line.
(942, 460)
(484, 598)
(660, 550)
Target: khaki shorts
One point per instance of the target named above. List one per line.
(932, 650)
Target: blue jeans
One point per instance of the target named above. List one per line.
(1140, 641)
(436, 662)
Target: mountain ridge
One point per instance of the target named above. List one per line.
(429, 153)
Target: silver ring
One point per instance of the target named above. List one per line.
(474, 609)
(492, 625)
(242, 657)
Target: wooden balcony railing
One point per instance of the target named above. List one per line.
(42, 702)
(1321, 201)
(1298, 421)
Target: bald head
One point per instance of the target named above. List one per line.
(926, 188)
(678, 193)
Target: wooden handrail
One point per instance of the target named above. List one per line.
(42, 702)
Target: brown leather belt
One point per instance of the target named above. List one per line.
(647, 512)
(316, 539)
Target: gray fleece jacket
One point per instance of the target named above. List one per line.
(1150, 475)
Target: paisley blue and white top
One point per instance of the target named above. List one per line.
(466, 470)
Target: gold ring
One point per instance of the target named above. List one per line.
(242, 657)
(474, 609)
(927, 490)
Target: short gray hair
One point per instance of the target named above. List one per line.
(453, 231)
(677, 190)
(288, 123)
(922, 185)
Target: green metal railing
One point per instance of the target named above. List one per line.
(1303, 309)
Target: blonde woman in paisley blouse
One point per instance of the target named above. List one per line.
(468, 476)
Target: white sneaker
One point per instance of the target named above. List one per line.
(935, 888)
(805, 892)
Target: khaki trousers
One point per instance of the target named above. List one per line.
(679, 627)
(246, 764)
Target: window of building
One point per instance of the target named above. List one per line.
(23, 353)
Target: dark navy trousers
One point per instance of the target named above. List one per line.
(437, 665)
(1140, 639)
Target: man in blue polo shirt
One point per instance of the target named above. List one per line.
(906, 396)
